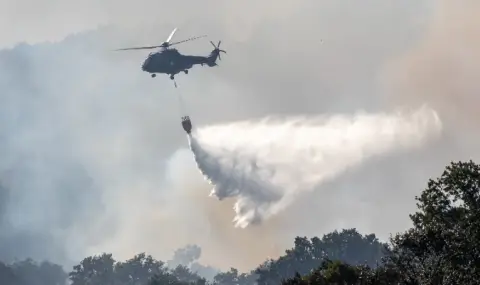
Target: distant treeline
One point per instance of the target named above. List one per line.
(442, 247)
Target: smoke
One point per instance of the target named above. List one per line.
(185, 256)
(265, 164)
(443, 67)
(92, 151)
(188, 256)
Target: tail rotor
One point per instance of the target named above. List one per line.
(216, 52)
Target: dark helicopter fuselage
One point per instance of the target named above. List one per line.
(171, 62)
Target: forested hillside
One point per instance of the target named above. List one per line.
(441, 247)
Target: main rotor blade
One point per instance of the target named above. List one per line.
(190, 39)
(171, 35)
(134, 48)
(213, 44)
(219, 42)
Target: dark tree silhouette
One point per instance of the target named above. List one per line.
(347, 246)
(8, 276)
(442, 247)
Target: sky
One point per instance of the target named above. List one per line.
(94, 158)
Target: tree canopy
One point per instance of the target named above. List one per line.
(441, 247)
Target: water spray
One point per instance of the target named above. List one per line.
(266, 164)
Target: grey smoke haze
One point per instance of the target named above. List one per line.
(185, 256)
(188, 256)
(94, 158)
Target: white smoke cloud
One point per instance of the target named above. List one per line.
(92, 151)
(266, 164)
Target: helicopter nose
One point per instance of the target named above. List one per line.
(145, 65)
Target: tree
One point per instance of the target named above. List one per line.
(443, 246)
(142, 269)
(308, 254)
(45, 273)
(334, 272)
(185, 275)
(94, 270)
(165, 279)
(138, 270)
(168, 278)
(338, 272)
(50, 274)
(8, 276)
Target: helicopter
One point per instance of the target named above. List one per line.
(171, 62)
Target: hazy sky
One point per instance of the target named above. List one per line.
(94, 156)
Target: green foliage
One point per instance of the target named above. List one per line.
(8, 276)
(29, 272)
(442, 247)
(337, 272)
(347, 246)
(139, 270)
(232, 277)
